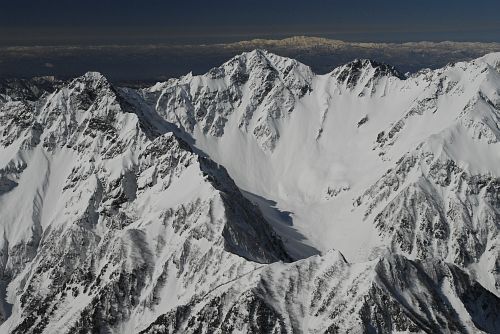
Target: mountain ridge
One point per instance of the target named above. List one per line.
(127, 219)
(396, 109)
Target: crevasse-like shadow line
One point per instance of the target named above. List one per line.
(296, 243)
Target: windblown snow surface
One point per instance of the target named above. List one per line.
(256, 198)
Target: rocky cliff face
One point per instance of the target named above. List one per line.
(256, 87)
(115, 219)
(99, 217)
(328, 295)
(412, 156)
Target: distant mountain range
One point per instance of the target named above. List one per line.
(140, 65)
(307, 42)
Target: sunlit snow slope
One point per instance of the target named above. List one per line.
(363, 158)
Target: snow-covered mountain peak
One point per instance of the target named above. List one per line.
(261, 66)
(259, 58)
(287, 68)
(493, 59)
(382, 189)
(86, 109)
(92, 76)
(357, 66)
(251, 90)
(364, 76)
(97, 197)
(367, 132)
(93, 83)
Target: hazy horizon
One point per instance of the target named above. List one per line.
(133, 64)
(147, 41)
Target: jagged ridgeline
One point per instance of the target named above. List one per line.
(256, 198)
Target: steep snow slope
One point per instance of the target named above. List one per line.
(107, 216)
(328, 139)
(328, 295)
